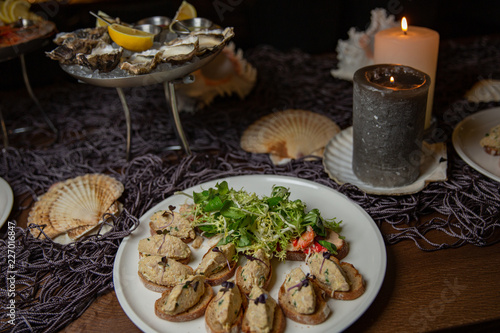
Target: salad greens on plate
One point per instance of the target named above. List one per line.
(251, 222)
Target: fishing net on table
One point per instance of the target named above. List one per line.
(56, 283)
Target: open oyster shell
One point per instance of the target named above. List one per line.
(104, 57)
(289, 134)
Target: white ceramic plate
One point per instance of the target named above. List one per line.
(367, 253)
(337, 160)
(466, 137)
(6, 201)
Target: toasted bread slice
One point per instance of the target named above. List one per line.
(223, 275)
(342, 252)
(194, 312)
(317, 317)
(355, 280)
(246, 291)
(213, 326)
(279, 322)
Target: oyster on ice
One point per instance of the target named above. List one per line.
(79, 41)
(179, 50)
(141, 63)
(213, 40)
(103, 57)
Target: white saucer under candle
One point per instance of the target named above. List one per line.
(389, 103)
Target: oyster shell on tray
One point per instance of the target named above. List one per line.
(75, 206)
(289, 134)
(92, 48)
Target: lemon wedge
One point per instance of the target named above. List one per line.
(130, 38)
(4, 11)
(186, 11)
(100, 22)
(19, 8)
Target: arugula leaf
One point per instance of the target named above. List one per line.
(231, 211)
(213, 205)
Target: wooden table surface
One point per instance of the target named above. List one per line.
(422, 291)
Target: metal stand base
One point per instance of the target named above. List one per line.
(169, 89)
(37, 103)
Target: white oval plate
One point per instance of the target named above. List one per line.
(367, 253)
(6, 201)
(466, 137)
(337, 160)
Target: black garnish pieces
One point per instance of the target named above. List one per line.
(252, 258)
(303, 283)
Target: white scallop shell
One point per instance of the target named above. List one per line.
(337, 161)
(289, 134)
(76, 204)
(484, 91)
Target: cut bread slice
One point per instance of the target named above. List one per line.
(214, 326)
(355, 280)
(192, 313)
(259, 262)
(320, 314)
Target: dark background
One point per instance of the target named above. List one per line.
(312, 26)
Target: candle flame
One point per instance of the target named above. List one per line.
(404, 25)
(392, 79)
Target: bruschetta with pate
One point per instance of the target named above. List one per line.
(164, 245)
(159, 273)
(174, 223)
(224, 313)
(218, 264)
(263, 314)
(186, 301)
(339, 280)
(301, 300)
(257, 271)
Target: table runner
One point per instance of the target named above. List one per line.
(59, 282)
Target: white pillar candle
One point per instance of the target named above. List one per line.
(417, 47)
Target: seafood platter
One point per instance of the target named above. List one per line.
(92, 56)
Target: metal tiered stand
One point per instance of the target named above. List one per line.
(18, 51)
(168, 77)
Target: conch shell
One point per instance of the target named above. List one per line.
(357, 51)
(229, 73)
(289, 134)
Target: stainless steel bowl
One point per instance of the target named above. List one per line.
(184, 27)
(161, 21)
(152, 29)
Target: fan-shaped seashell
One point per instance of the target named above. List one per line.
(484, 91)
(289, 135)
(75, 203)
